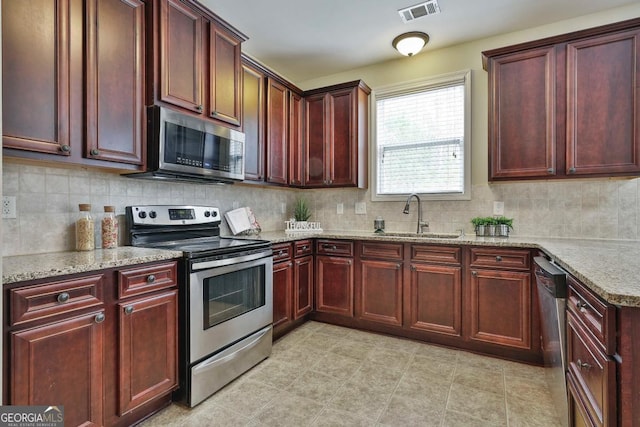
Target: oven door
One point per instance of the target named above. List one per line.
(228, 303)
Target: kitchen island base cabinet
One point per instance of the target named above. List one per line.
(61, 364)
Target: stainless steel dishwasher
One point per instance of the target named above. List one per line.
(551, 283)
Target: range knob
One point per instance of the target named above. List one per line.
(214, 213)
(152, 214)
(207, 214)
(142, 214)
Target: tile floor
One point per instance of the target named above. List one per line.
(325, 375)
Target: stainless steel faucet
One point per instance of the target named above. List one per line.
(421, 224)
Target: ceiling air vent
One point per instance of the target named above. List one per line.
(421, 10)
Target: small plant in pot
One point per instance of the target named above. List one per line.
(503, 225)
(301, 210)
(480, 224)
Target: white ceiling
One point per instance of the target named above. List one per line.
(304, 39)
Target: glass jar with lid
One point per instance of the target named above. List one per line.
(109, 228)
(85, 239)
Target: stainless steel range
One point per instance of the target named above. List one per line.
(226, 307)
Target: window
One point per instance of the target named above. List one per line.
(422, 139)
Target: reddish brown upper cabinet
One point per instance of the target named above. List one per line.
(566, 106)
(74, 82)
(296, 139)
(277, 133)
(336, 135)
(253, 122)
(199, 61)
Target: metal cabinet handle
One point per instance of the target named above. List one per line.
(499, 258)
(398, 266)
(65, 148)
(199, 107)
(572, 170)
(330, 247)
(551, 171)
(413, 268)
(95, 152)
(305, 247)
(474, 273)
(128, 309)
(99, 318)
(151, 278)
(582, 364)
(63, 297)
(582, 306)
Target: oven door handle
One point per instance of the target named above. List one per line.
(233, 353)
(229, 261)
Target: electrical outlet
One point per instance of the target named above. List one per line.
(340, 208)
(498, 208)
(8, 207)
(361, 208)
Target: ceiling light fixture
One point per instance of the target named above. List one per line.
(410, 43)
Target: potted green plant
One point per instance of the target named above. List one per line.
(503, 225)
(301, 210)
(480, 224)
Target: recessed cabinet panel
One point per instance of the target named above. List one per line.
(253, 123)
(282, 289)
(277, 133)
(334, 285)
(380, 292)
(226, 83)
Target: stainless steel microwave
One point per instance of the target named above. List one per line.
(186, 148)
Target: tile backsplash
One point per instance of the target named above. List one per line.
(48, 198)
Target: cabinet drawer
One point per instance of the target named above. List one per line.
(303, 248)
(136, 281)
(386, 251)
(53, 298)
(281, 251)
(594, 374)
(500, 258)
(441, 254)
(596, 316)
(334, 247)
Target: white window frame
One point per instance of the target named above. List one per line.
(418, 86)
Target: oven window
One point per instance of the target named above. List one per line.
(232, 294)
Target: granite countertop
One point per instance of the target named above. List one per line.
(37, 266)
(610, 268)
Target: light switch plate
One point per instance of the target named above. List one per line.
(498, 208)
(361, 208)
(340, 208)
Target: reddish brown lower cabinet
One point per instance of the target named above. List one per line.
(147, 349)
(334, 285)
(282, 287)
(61, 363)
(434, 302)
(379, 297)
(303, 286)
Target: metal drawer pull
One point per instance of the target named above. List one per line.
(151, 278)
(99, 318)
(582, 364)
(474, 273)
(582, 306)
(330, 247)
(305, 247)
(128, 309)
(63, 297)
(413, 268)
(498, 258)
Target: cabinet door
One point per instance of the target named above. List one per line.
(522, 117)
(379, 296)
(603, 104)
(61, 364)
(225, 79)
(181, 53)
(277, 133)
(303, 286)
(342, 155)
(115, 80)
(435, 299)
(35, 75)
(282, 288)
(147, 349)
(334, 285)
(296, 140)
(316, 135)
(253, 123)
(499, 308)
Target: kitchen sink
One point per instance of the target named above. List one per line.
(423, 235)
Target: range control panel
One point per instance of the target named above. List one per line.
(172, 215)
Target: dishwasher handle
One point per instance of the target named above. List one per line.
(550, 277)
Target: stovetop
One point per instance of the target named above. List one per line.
(206, 246)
